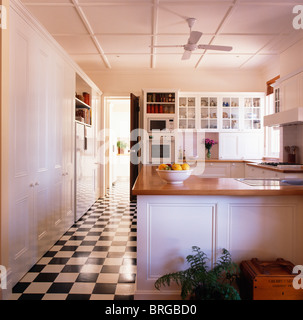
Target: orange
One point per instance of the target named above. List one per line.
(176, 166)
(162, 166)
(185, 166)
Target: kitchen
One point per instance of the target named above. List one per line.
(260, 53)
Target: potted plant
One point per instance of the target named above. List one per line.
(199, 283)
(121, 145)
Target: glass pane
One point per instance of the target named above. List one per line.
(213, 124)
(191, 112)
(226, 102)
(247, 124)
(213, 102)
(182, 113)
(226, 114)
(234, 124)
(204, 102)
(191, 102)
(182, 102)
(204, 113)
(257, 124)
(191, 124)
(204, 124)
(213, 113)
(234, 102)
(182, 124)
(226, 124)
(257, 102)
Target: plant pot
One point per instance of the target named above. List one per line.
(120, 151)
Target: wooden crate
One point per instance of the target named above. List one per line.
(268, 280)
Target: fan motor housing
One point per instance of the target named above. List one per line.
(190, 47)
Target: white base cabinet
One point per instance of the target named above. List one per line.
(248, 227)
(220, 169)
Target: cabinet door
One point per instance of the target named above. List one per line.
(187, 112)
(208, 112)
(20, 142)
(41, 117)
(237, 170)
(290, 93)
(68, 147)
(216, 170)
(251, 145)
(229, 147)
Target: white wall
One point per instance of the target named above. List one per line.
(133, 81)
(291, 59)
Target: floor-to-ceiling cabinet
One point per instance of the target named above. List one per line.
(41, 143)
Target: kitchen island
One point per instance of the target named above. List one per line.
(213, 213)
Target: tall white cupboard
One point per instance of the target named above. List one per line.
(41, 143)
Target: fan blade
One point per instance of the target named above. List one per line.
(186, 55)
(212, 47)
(194, 37)
(167, 46)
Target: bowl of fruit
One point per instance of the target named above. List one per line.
(174, 173)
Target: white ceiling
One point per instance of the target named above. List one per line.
(118, 34)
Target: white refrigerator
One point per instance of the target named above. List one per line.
(85, 180)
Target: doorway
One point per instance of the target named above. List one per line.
(118, 124)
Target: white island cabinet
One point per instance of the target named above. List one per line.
(250, 222)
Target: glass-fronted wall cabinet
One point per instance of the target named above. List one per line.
(226, 112)
(187, 112)
(209, 113)
(230, 113)
(252, 113)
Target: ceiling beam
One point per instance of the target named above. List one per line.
(91, 33)
(223, 22)
(154, 33)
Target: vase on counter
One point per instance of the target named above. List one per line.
(208, 154)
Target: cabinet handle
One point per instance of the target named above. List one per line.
(37, 183)
(63, 174)
(66, 173)
(31, 185)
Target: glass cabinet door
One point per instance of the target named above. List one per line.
(230, 114)
(252, 113)
(208, 113)
(187, 113)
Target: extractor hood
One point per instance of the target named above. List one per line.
(284, 118)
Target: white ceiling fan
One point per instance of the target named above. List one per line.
(192, 45)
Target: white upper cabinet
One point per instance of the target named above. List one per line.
(223, 112)
(289, 92)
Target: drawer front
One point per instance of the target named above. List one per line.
(216, 170)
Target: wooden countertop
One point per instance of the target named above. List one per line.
(149, 183)
(274, 168)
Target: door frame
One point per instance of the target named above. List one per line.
(107, 100)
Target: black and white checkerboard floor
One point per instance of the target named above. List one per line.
(94, 260)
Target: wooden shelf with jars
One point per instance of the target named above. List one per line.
(160, 102)
(83, 110)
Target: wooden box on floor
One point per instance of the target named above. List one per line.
(268, 280)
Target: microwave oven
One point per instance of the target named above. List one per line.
(162, 124)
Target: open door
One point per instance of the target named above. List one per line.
(134, 124)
